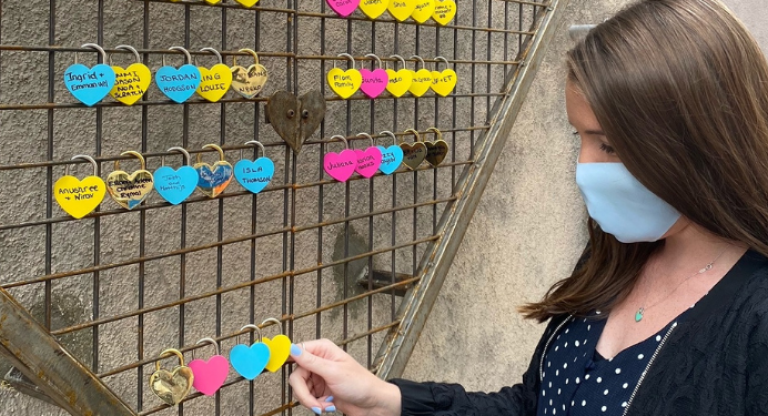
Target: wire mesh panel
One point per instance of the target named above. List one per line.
(325, 258)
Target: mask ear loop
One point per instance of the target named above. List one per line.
(84, 157)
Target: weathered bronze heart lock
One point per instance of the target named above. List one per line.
(295, 119)
(413, 154)
(249, 82)
(171, 386)
(129, 190)
(437, 150)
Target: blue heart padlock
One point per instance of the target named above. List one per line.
(176, 185)
(391, 159)
(249, 362)
(89, 85)
(178, 84)
(255, 175)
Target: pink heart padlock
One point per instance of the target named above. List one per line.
(368, 161)
(343, 7)
(209, 375)
(340, 166)
(374, 82)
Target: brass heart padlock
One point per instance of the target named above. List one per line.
(413, 154)
(130, 190)
(249, 82)
(171, 386)
(295, 119)
(437, 150)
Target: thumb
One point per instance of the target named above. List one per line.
(309, 361)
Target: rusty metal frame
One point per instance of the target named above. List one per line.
(415, 309)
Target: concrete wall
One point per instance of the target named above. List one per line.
(526, 233)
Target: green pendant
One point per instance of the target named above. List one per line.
(639, 315)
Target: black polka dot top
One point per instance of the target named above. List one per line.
(579, 382)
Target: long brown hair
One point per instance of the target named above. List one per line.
(680, 89)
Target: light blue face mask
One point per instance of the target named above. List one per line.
(622, 205)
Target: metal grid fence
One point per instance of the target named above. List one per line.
(345, 261)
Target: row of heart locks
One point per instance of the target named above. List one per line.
(128, 85)
(207, 376)
(441, 11)
(79, 198)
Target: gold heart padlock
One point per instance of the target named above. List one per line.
(171, 386)
(413, 154)
(132, 82)
(437, 150)
(213, 179)
(129, 191)
(249, 82)
(214, 82)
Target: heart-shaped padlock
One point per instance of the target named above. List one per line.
(399, 81)
(368, 160)
(343, 8)
(210, 374)
(374, 82)
(422, 79)
(130, 83)
(251, 361)
(213, 178)
(178, 84)
(90, 85)
(176, 185)
(247, 3)
(130, 190)
(392, 156)
(444, 82)
(413, 154)
(437, 150)
(401, 9)
(249, 82)
(373, 8)
(78, 198)
(340, 166)
(279, 348)
(423, 11)
(445, 10)
(171, 386)
(214, 82)
(345, 83)
(255, 175)
(295, 119)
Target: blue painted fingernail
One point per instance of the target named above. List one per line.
(317, 410)
(296, 351)
(329, 399)
(330, 409)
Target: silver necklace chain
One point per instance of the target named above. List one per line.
(641, 311)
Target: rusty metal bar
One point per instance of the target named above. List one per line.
(58, 374)
(435, 264)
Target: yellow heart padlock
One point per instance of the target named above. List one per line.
(171, 386)
(423, 11)
(345, 83)
(422, 79)
(213, 1)
(214, 82)
(247, 3)
(399, 81)
(373, 8)
(445, 11)
(279, 348)
(78, 198)
(130, 190)
(444, 82)
(130, 83)
(401, 9)
(249, 82)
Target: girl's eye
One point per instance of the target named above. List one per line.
(607, 149)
